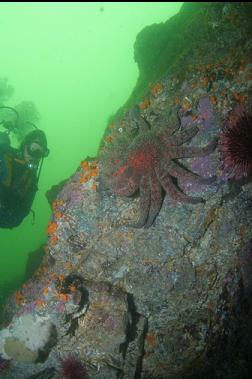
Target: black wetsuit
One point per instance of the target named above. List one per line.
(18, 186)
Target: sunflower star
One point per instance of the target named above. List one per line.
(150, 165)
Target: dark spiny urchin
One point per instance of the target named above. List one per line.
(71, 367)
(236, 143)
(4, 364)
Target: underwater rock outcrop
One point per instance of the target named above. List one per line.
(34, 260)
(171, 301)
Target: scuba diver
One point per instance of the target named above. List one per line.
(19, 172)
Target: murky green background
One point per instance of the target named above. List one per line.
(75, 62)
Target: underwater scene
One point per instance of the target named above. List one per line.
(126, 190)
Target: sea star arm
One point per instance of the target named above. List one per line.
(179, 171)
(182, 137)
(192, 152)
(145, 198)
(156, 200)
(172, 124)
(170, 187)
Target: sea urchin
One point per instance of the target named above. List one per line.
(236, 143)
(71, 367)
(4, 364)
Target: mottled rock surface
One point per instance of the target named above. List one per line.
(157, 302)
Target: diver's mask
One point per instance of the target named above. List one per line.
(36, 151)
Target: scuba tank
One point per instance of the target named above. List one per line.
(9, 125)
(4, 138)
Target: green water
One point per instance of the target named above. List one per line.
(75, 62)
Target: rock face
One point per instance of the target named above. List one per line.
(173, 300)
(33, 262)
(199, 35)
